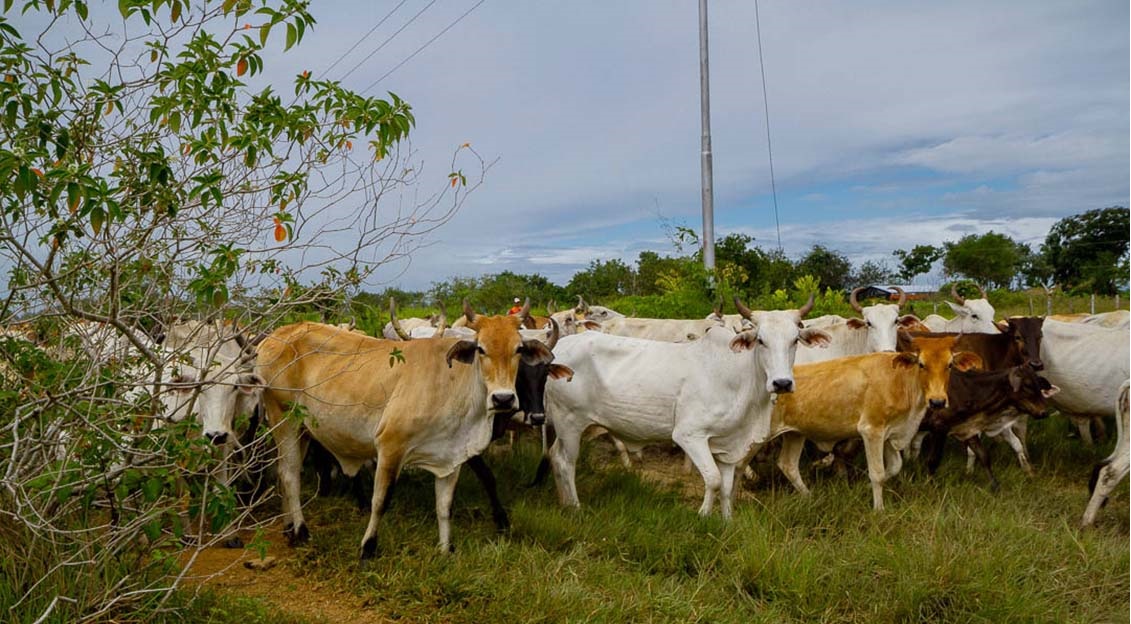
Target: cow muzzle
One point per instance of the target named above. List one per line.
(216, 437)
(1036, 365)
(937, 403)
(782, 385)
(503, 401)
(537, 419)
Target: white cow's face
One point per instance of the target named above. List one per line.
(216, 394)
(881, 321)
(774, 341)
(976, 316)
(602, 314)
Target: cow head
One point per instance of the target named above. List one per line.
(933, 358)
(972, 316)
(1026, 332)
(1030, 392)
(532, 378)
(216, 389)
(882, 321)
(498, 348)
(774, 340)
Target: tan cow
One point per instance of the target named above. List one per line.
(880, 397)
(431, 407)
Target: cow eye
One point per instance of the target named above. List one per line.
(868, 323)
(974, 316)
(922, 365)
(759, 340)
(481, 350)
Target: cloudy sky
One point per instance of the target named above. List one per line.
(893, 123)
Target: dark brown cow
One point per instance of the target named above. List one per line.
(984, 402)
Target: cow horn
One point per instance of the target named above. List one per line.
(983, 291)
(468, 312)
(719, 308)
(805, 309)
(241, 340)
(443, 323)
(852, 299)
(957, 297)
(551, 307)
(902, 296)
(582, 307)
(393, 319)
(553, 335)
(743, 310)
(525, 312)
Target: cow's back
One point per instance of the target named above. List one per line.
(1087, 362)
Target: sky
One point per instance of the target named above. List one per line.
(892, 123)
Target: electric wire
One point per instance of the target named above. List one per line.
(766, 108)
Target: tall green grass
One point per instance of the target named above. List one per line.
(946, 550)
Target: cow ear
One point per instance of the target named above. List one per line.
(965, 360)
(906, 359)
(251, 383)
(558, 371)
(904, 341)
(958, 309)
(910, 321)
(856, 323)
(744, 341)
(463, 351)
(1051, 390)
(590, 325)
(1002, 326)
(815, 338)
(535, 352)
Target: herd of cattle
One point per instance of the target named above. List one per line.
(433, 396)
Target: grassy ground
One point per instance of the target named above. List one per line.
(946, 549)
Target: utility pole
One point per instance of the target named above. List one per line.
(705, 155)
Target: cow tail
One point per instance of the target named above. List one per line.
(548, 437)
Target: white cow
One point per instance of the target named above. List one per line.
(874, 333)
(1118, 319)
(1112, 470)
(663, 330)
(972, 316)
(712, 396)
(1089, 363)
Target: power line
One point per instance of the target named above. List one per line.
(421, 48)
(766, 107)
(386, 42)
(363, 38)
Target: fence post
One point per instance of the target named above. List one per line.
(1092, 307)
(1116, 301)
(1031, 306)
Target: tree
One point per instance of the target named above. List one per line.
(142, 179)
(871, 272)
(1088, 251)
(609, 278)
(917, 261)
(990, 259)
(832, 268)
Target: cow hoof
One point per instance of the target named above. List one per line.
(502, 525)
(369, 548)
(448, 549)
(296, 537)
(233, 542)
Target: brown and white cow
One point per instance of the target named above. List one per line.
(432, 406)
(879, 397)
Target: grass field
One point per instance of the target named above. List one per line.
(946, 549)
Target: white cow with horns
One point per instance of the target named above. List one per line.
(712, 396)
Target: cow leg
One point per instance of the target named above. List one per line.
(916, 445)
(975, 444)
(1084, 426)
(622, 451)
(563, 459)
(699, 451)
(893, 461)
(384, 478)
(445, 492)
(1019, 449)
(874, 452)
(789, 459)
(934, 445)
(291, 449)
(726, 494)
(487, 479)
(1108, 476)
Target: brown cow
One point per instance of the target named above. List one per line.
(879, 397)
(432, 406)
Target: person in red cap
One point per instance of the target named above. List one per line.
(516, 308)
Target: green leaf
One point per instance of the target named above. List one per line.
(124, 8)
(264, 31)
(97, 217)
(292, 35)
(152, 489)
